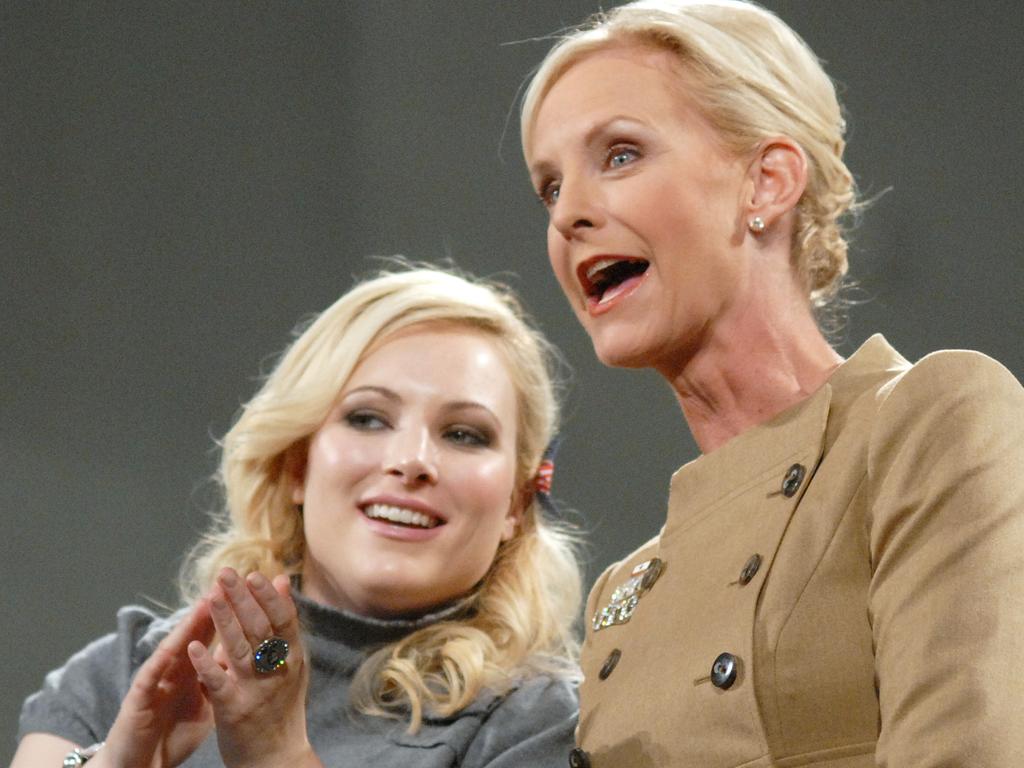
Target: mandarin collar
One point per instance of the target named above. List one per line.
(798, 433)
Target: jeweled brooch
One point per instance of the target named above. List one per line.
(626, 597)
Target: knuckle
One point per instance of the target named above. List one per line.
(240, 650)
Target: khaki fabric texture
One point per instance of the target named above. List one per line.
(885, 624)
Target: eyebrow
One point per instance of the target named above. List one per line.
(393, 396)
(458, 405)
(383, 391)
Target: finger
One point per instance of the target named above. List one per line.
(196, 625)
(236, 646)
(220, 656)
(146, 684)
(168, 663)
(277, 605)
(248, 612)
(214, 679)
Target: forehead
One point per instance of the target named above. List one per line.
(634, 81)
(440, 362)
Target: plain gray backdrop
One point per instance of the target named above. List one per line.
(182, 182)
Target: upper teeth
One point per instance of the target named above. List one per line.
(598, 265)
(400, 515)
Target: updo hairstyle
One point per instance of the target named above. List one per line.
(752, 77)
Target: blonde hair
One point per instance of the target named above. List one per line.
(753, 78)
(520, 618)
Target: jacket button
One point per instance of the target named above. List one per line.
(791, 482)
(651, 573)
(609, 664)
(579, 759)
(723, 671)
(750, 569)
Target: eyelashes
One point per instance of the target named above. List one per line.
(366, 421)
(619, 154)
(468, 437)
(462, 435)
(547, 193)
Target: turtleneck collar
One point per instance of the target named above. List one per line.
(362, 633)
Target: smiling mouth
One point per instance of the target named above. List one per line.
(602, 276)
(401, 516)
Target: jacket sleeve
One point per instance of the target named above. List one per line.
(532, 726)
(946, 601)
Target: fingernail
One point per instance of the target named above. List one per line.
(257, 579)
(228, 577)
(218, 601)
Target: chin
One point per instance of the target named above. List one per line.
(617, 352)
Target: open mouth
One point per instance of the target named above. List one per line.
(401, 516)
(604, 278)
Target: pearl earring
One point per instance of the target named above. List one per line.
(756, 225)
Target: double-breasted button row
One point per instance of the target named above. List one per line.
(578, 758)
(725, 667)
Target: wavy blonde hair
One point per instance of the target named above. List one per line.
(752, 77)
(520, 619)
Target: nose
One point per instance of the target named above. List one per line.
(576, 210)
(411, 457)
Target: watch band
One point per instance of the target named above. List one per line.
(79, 756)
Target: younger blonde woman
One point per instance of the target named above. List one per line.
(384, 586)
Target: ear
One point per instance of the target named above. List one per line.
(516, 509)
(778, 176)
(295, 459)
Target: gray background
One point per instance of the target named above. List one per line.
(182, 182)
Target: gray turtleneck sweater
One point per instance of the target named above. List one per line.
(532, 725)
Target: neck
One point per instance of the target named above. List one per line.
(751, 368)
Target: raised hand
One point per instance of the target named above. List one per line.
(164, 717)
(260, 716)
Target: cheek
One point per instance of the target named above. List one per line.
(335, 455)
(487, 486)
(561, 265)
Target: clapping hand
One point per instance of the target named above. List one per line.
(165, 716)
(260, 716)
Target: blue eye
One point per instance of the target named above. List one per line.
(548, 194)
(366, 421)
(620, 156)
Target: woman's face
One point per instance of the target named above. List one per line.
(646, 206)
(409, 484)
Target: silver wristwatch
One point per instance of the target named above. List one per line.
(79, 756)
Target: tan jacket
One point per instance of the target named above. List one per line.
(882, 619)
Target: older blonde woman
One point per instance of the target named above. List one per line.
(385, 586)
(840, 577)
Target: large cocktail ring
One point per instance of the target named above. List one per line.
(270, 655)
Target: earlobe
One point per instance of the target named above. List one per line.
(514, 518)
(779, 176)
(295, 472)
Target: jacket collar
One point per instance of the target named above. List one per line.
(797, 435)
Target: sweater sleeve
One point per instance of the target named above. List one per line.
(533, 726)
(946, 601)
(80, 700)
